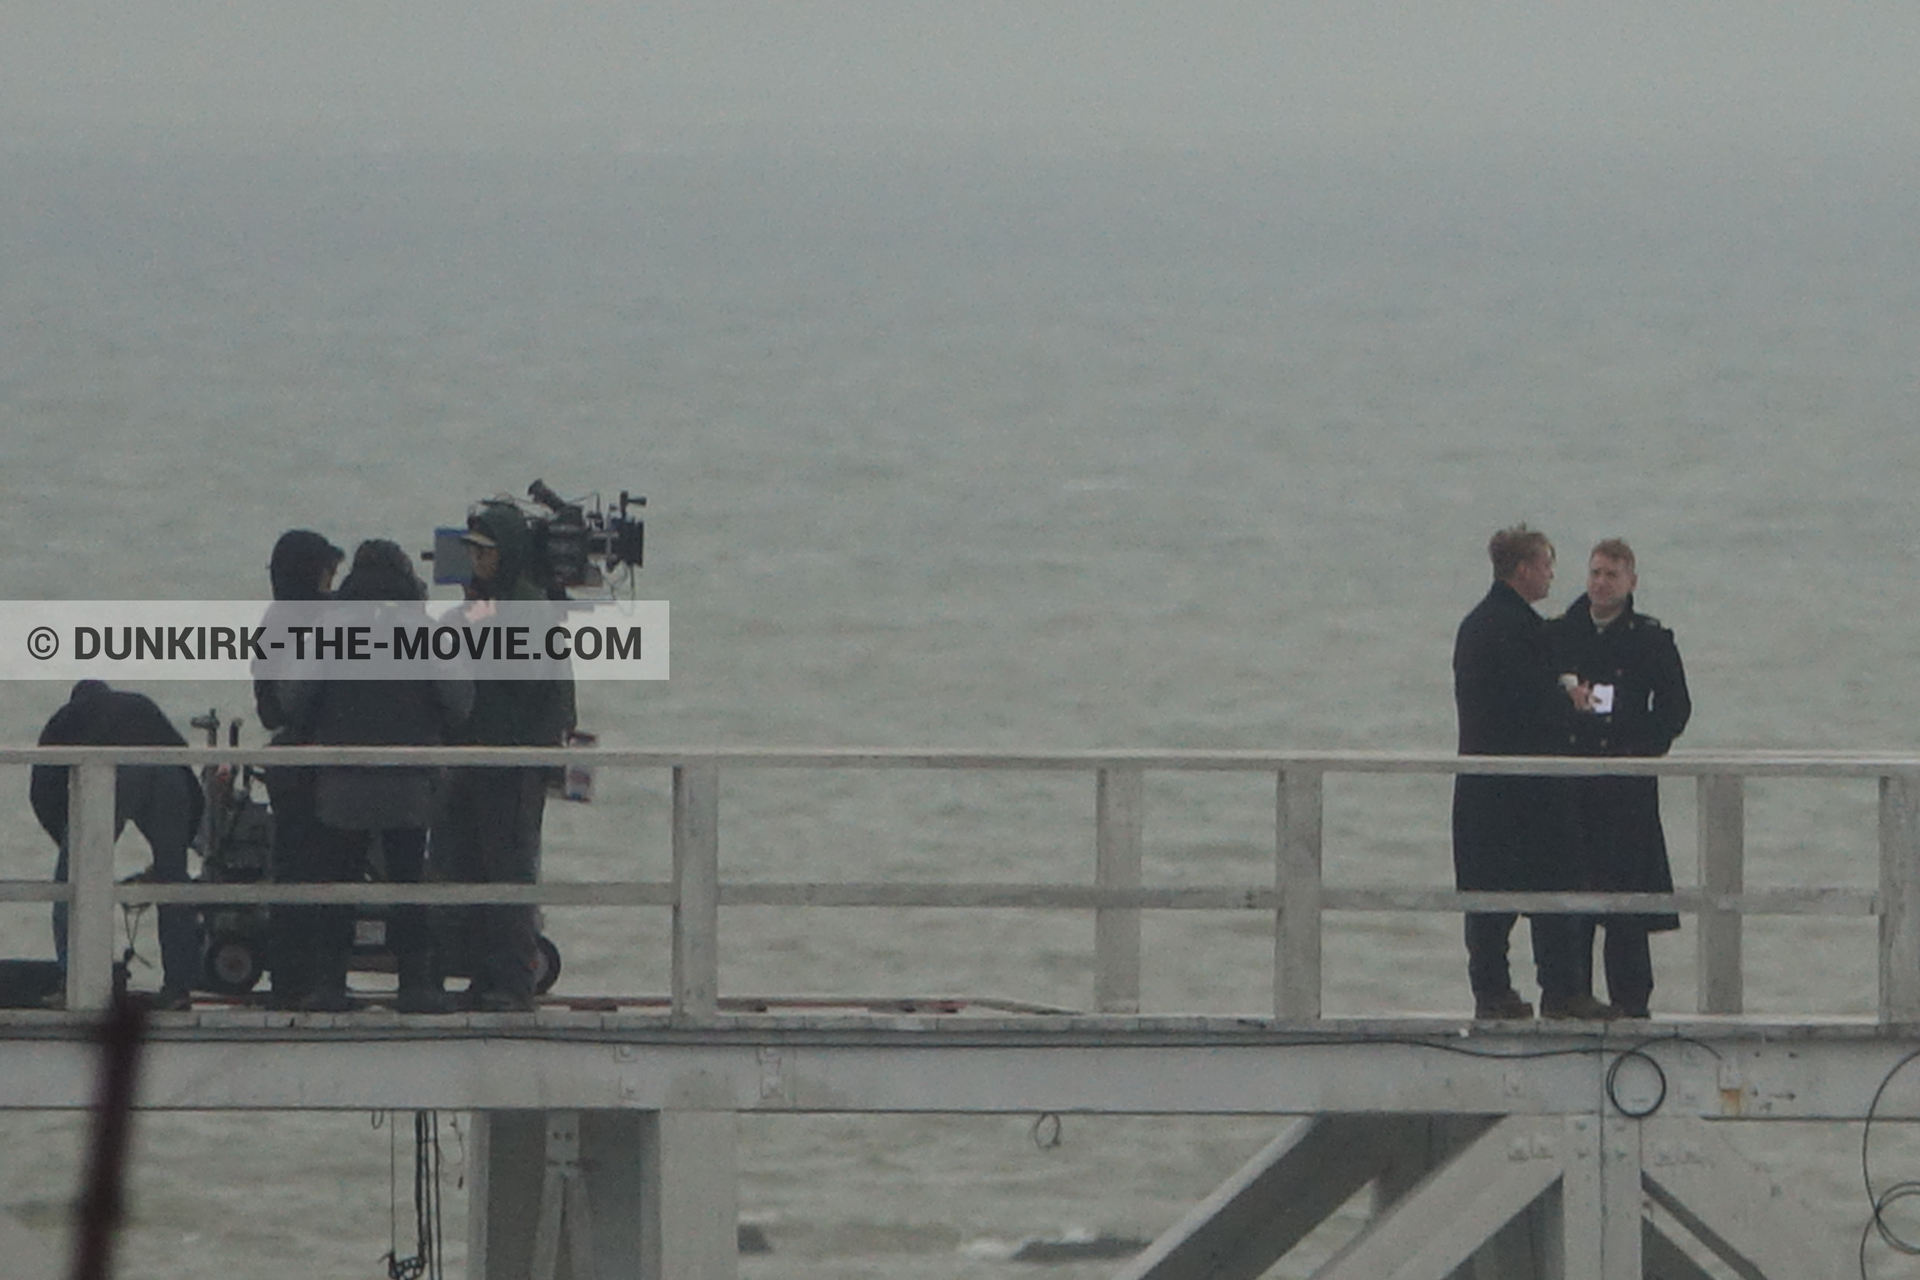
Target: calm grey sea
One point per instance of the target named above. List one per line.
(972, 449)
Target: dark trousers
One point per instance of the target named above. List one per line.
(343, 856)
(492, 835)
(1626, 955)
(159, 800)
(294, 931)
(1556, 955)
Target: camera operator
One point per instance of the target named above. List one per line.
(353, 804)
(493, 814)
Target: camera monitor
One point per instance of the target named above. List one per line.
(452, 564)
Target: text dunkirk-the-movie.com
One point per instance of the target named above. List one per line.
(120, 640)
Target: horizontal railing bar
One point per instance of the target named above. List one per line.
(550, 894)
(1809, 764)
(1048, 896)
(586, 894)
(35, 891)
(1052, 897)
(1753, 902)
(1840, 902)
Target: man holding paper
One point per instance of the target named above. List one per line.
(1625, 673)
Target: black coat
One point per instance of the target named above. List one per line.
(386, 713)
(1510, 831)
(97, 716)
(1620, 817)
(300, 557)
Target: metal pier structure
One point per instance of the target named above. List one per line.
(604, 1131)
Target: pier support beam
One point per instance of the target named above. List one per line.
(1286, 1190)
(1439, 1226)
(1667, 1260)
(1460, 1197)
(646, 1195)
(1735, 1207)
(1515, 1252)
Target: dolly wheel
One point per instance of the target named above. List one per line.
(546, 965)
(233, 965)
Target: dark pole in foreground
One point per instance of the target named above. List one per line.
(101, 1199)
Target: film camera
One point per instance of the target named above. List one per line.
(575, 544)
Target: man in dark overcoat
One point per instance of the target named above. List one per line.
(1514, 832)
(1627, 670)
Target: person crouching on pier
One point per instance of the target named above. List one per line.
(1632, 689)
(162, 800)
(491, 824)
(356, 803)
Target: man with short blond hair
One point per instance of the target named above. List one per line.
(1511, 831)
(1626, 674)
(1613, 549)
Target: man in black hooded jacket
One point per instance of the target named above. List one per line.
(301, 570)
(162, 800)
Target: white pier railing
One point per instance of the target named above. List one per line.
(1296, 898)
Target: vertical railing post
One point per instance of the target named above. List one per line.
(90, 820)
(1119, 807)
(696, 890)
(1296, 877)
(1900, 897)
(1723, 836)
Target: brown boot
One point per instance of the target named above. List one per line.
(1580, 1007)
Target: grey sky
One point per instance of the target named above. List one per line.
(480, 72)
